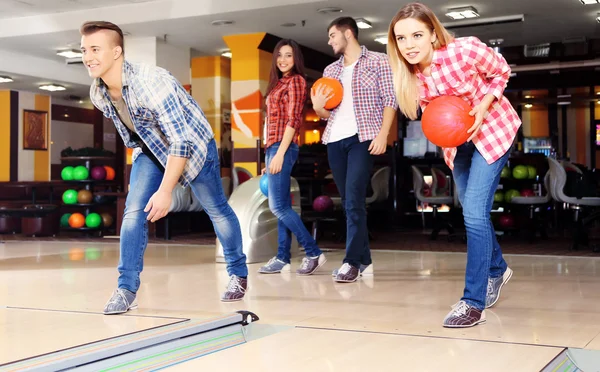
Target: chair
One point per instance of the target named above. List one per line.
(239, 176)
(380, 183)
(440, 186)
(439, 223)
(558, 180)
(533, 203)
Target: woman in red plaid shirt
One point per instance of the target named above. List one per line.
(286, 96)
(428, 62)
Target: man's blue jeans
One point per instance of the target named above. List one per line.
(351, 164)
(280, 203)
(145, 180)
(476, 183)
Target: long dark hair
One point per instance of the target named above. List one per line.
(298, 63)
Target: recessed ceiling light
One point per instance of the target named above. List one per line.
(226, 54)
(462, 13)
(222, 22)
(362, 23)
(52, 87)
(329, 10)
(382, 39)
(71, 53)
(6, 79)
(289, 24)
(588, 2)
(528, 105)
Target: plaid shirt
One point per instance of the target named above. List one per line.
(372, 90)
(165, 116)
(285, 104)
(469, 69)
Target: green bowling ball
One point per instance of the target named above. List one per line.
(511, 194)
(93, 220)
(67, 173)
(70, 197)
(80, 173)
(64, 220)
(532, 172)
(520, 172)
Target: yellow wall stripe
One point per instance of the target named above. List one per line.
(42, 158)
(5, 137)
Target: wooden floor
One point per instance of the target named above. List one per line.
(387, 322)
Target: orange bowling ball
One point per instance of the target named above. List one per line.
(445, 121)
(336, 87)
(110, 173)
(77, 220)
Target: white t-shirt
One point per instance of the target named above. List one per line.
(344, 124)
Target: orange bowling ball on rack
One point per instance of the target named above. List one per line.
(110, 173)
(77, 220)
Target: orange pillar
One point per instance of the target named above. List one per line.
(250, 68)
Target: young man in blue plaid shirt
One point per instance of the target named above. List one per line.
(173, 143)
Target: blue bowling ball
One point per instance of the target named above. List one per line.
(264, 184)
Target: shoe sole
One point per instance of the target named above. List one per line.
(465, 326)
(275, 272)
(312, 272)
(370, 273)
(121, 312)
(510, 274)
(347, 281)
(232, 300)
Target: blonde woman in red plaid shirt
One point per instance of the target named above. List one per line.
(286, 96)
(429, 62)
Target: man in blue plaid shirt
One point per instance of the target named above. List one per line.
(173, 143)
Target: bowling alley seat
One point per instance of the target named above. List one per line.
(40, 220)
(435, 202)
(579, 205)
(534, 203)
(240, 175)
(9, 222)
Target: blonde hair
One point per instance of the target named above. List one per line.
(405, 78)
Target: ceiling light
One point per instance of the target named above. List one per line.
(71, 53)
(5, 79)
(462, 13)
(289, 24)
(528, 105)
(52, 87)
(362, 23)
(382, 39)
(329, 10)
(221, 22)
(588, 2)
(226, 54)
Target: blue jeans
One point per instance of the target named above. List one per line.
(351, 165)
(280, 203)
(145, 180)
(476, 183)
